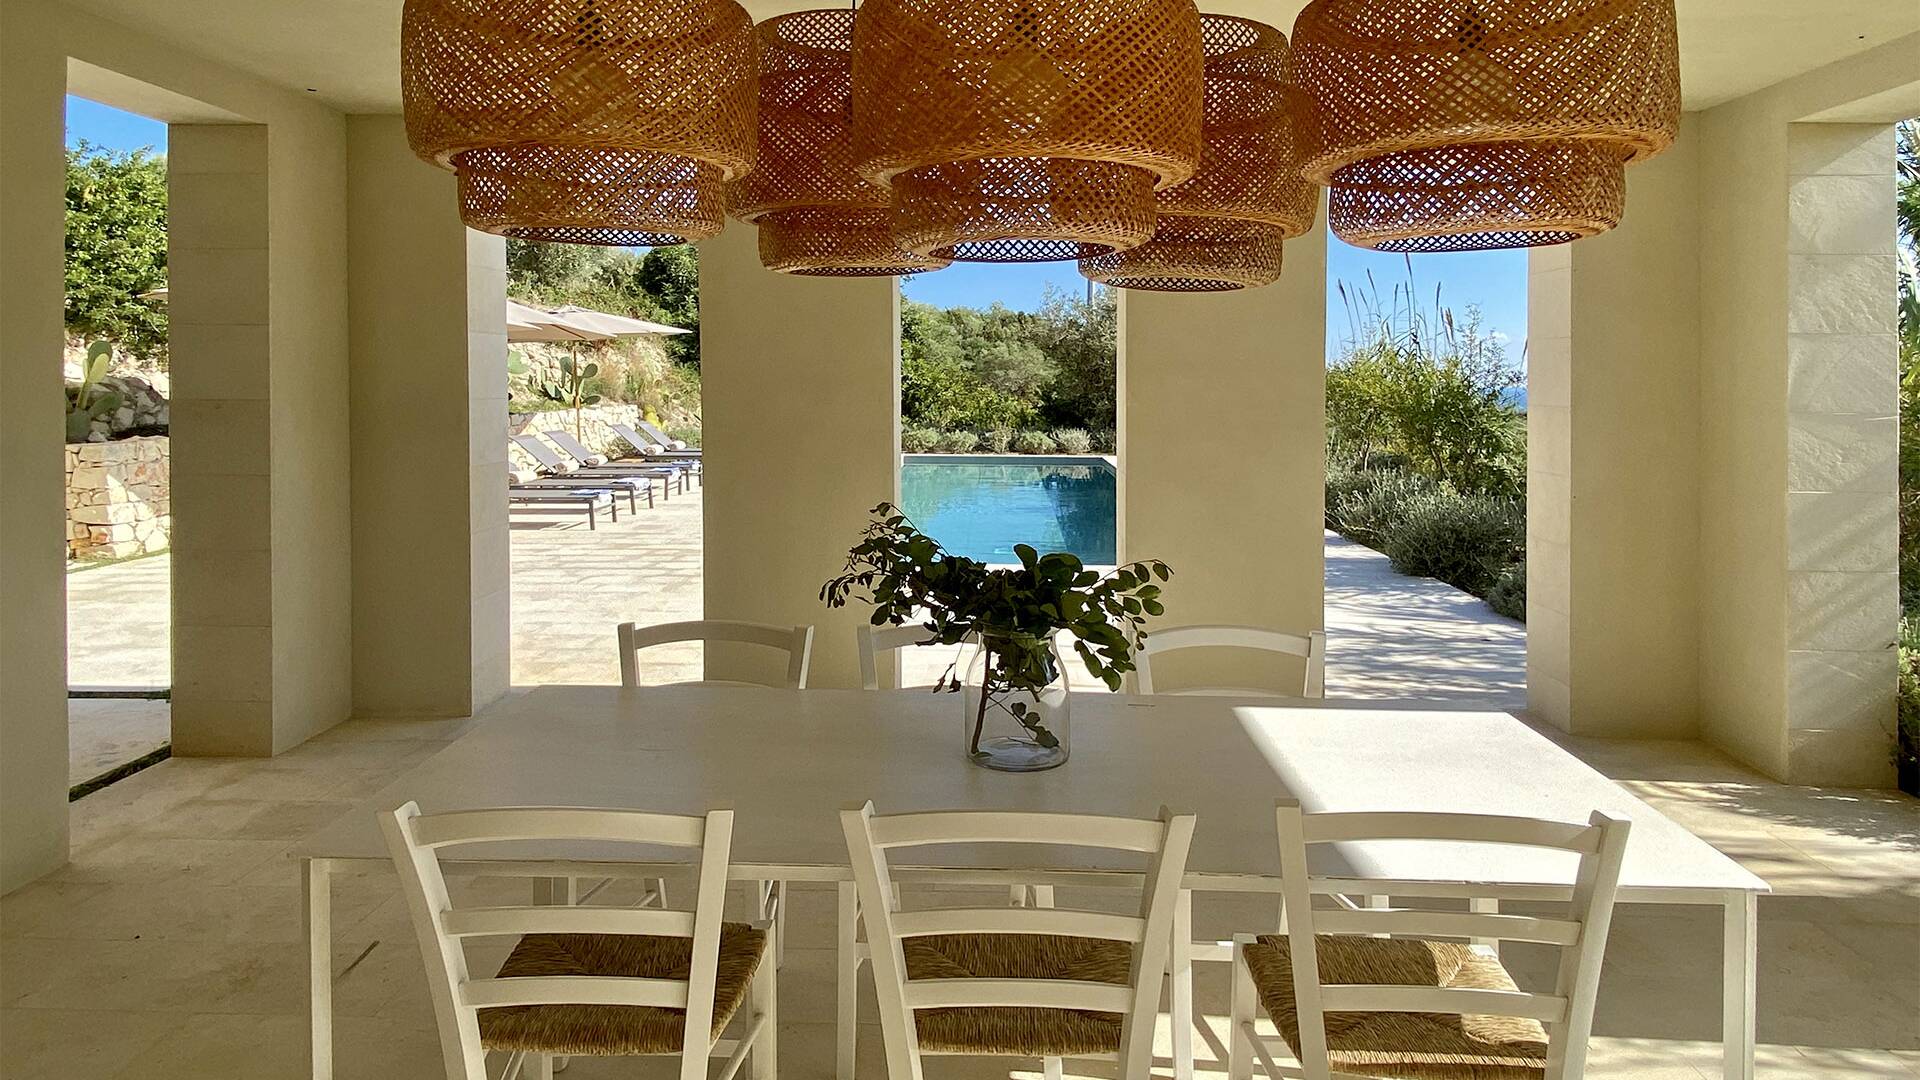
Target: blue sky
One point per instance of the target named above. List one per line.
(1496, 280)
(103, 125)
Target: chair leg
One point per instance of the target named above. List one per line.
(1180, 961)
(1240, 1014)
(538, 1067)
(1052, 1068)
(847, 980)
(765, 1056)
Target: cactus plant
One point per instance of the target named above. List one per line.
(86, 402)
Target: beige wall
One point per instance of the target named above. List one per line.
(264, 406)
(1613, 410)
(800, 401)
(1712, 438)
(1222, 447)
(33, 616)
(428, 359)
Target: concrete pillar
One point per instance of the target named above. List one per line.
(1222, 432)
(800, 400)
(427, 315)
(1613, 487)
(33, 611)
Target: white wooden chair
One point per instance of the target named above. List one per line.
(874, 640)
(795, 641)
(588, 980)
(1017, 981)
(1312, 646)
(1422, 993)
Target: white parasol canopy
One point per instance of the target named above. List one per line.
(528, 323)
(611, 325)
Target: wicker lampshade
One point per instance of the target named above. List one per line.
(814, 213)
(583, 120)
(1222, 229)
(1027, 130)
(1423, 110)
(1481, 196)
(587, 196)
(1195, 254)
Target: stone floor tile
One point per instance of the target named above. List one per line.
(58, 1044)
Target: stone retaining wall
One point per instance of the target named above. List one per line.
(118, 498)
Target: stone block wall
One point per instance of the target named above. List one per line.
(118, 498)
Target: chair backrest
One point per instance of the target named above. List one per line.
(572, 446)
(540, 452)
(795, 641)
(653, 431)
(1581, 935)
(1312, 646)
(1164, 841)
(417, 841)
(874, 640)
(639, 442)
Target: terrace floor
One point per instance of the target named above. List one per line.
(172, 943)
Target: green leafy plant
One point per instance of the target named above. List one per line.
(1033, 442)
(1463, 540)
(998, 440)
(1013, 612)
(915, 439)
(86, 402)
(1508, 593)
(960, 441)
(116, 247)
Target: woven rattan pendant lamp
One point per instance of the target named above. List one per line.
(584, 121)
(1222, 230)
(1025, 130)
(1449, 125)
(815, 215)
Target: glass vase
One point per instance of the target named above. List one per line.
(1014, 729)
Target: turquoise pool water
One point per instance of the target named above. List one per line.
(981, 507)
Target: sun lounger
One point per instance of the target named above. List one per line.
(553, 464)
(588, 499)
(631, 486)
(656, 443)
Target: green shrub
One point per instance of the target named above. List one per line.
(1033, 442)
(688, 435)
(1462, 540)
(958, 442)
(915, 439)
(998, 440)
(1105, 441)
(1508, 593)
(1906, 748)
(1370, 507)
(1073, 440)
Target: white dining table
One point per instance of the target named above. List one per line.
(788, 761)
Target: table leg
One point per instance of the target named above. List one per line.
(1181, 962)
(847, 980)
(1739, 946)
(316, 874)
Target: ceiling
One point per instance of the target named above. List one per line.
(346, 51)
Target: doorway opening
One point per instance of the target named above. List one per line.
(119, 520)
(1426, 474)
(603, 434)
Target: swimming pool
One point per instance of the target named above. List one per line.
(980, 507)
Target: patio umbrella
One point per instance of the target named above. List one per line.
(611, 325)
(528, 323)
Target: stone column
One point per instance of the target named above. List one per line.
(427, 312)
(1842, 442)
(222, 438)
(800, 398)
(1613, 480)
(1222, 432)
